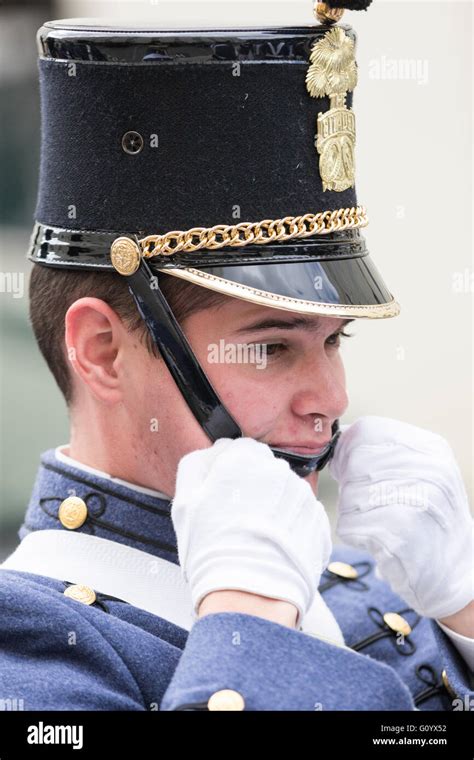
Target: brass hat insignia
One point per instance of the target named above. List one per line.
(333, 72)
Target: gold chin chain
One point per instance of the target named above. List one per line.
(257, 233)
(126, 253)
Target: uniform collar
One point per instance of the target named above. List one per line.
(61, 456)
(132, 515)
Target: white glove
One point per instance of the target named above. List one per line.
(244, 520)
(402, 499)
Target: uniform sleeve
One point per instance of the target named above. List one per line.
(45, 672)
(256, 664)
(457, 676)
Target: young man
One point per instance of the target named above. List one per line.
(174, 554)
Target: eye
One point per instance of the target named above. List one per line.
(274, 349)
(335, 339)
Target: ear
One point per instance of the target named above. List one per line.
(94, 336)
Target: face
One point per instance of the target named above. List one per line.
(279, 374)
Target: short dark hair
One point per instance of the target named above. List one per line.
(53, 291)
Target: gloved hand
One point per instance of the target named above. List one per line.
(402, 499)
(244, 520)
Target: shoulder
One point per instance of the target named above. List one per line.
(25, 594)
(58, 653)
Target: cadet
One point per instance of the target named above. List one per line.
(174, 554)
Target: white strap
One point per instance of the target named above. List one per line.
(150, 583)
(139, 578)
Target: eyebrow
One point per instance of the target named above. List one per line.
(286, 324)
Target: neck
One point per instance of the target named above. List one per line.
(112, 450)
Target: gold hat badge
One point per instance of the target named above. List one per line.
(333, 72)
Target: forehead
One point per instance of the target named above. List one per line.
(247, 317)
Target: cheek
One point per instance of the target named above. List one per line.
(253, 404)
(157, 398)
(339, 369)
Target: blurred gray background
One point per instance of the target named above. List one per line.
(413, 107)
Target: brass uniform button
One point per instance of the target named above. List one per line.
(343, 570)
(226, 699)
(397, 623)
(447, 685)
(72, 512)
(84, 594)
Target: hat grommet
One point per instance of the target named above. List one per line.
(132, 142)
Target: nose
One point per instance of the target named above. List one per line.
(320, 389)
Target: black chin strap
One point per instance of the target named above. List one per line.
(305, 465)
(188, 375)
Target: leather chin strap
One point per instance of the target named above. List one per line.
(305, 465)
(188, 375)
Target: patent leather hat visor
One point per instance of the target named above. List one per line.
(334, 277)
(349, 287)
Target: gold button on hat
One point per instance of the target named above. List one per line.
(84, 594)
(397, 623)
(125, 255)
(343, 570)
(226, 699)
(72, 512)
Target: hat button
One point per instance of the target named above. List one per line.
(343, 570)
(132, 142)
(84, 594)
(226, 699)
(72, 512)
